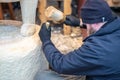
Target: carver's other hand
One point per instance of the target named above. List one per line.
(72, 21)
(45, 33)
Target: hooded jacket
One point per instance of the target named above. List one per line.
(98, 58)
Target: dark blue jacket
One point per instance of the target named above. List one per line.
(98, 58)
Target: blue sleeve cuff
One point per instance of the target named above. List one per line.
(47, 43)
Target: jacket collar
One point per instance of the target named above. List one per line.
(107, 28)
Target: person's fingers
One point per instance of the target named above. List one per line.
(67, 22)
(68, 17)
(44, 27)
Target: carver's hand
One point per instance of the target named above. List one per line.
(45, 33)
(72, 21)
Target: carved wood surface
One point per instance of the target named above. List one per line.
(20, 57)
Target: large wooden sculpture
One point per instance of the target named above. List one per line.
(20, 48)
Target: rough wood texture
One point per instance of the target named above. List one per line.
(20, 57)
(41, 10)
(66, 43)
(67, 11)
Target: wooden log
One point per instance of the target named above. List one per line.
(41, 10)
(11, 11)
(1, 12)
(67, 11)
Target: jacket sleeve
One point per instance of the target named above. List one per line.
(82, 61)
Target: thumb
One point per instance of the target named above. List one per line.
(67, 22)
